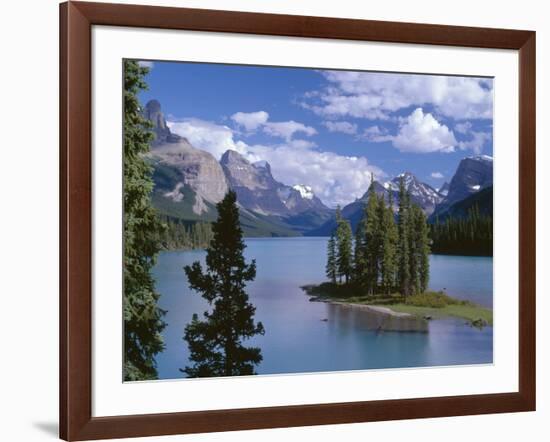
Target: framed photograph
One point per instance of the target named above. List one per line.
(272, 220)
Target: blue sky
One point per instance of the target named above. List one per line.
(328, 129)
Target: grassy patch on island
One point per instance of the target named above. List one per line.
(433, 305)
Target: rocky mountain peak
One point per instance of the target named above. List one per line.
(242, 173)
(473, 174)
(153, 113)
(305, 191)
(232, 156)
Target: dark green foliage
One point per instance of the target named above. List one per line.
(143, 322)
(360, 252)
(388, 257)
(403, 251)
(390, 237)
(331, 267)
(419, 250)
(215, 342)
(180, 235)
(472, 235)
(373, 240)
(344, 244)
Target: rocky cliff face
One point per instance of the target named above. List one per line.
(183, 172)
(192, 167)
(444, 189)
(162, 132)
(472, 175)
(258, 191)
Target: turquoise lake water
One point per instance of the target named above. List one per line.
(303, 336)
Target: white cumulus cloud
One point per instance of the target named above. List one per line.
(335, 179)
(373, 95)
(250, 120)
(341, 126)
(208, 136)
(287, 129)
(437, 175)
(422, 133)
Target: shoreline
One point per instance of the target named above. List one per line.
(474, 315)
(383, 319)
(374, 308)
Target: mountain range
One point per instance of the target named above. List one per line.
(190, 181)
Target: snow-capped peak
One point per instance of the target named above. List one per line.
(306, 192)
(482, 158)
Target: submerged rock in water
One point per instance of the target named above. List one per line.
(479, 323)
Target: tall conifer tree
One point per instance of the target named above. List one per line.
(216, 342)
(344, 240)
(143, 321)
(360, 251)
(331, 267)
(389, 247)
(423, 250)
(403, 273)
(372, 239)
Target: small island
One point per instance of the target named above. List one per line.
(385, 269)
(426, 306)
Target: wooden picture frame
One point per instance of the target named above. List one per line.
(76, 21)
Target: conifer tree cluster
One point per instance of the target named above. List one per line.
(386, 255)
(179, 235)
(472, 235)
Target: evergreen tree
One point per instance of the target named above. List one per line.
(344, 239)
(143, 322)
(216, 343)
(403, 227)
(414, 247)
(471, 235)
(423, 250)
(360, 251)
(388, 268)
(419, 249)
(331, 268)
(373, 237)
(387, 256)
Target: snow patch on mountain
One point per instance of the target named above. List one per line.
(175, 195)
(306, 192)
(482, 158)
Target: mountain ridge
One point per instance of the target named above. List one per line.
(190, 181)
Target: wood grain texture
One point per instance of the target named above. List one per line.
(75, 222)
(76, 20)
(527, 220)
(299, 26)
